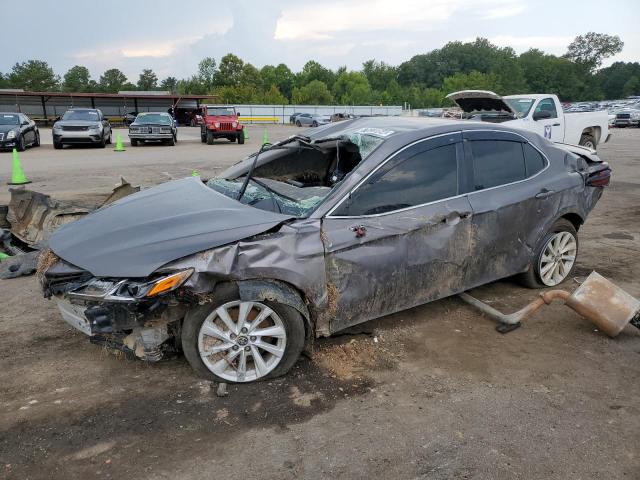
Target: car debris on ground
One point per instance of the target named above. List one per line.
(30, 218)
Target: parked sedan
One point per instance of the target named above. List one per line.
(82, 126)
(153, 127)
(312, 235)
(311, 120)
(292, 117)
(18, 131)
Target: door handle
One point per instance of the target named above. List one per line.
(544, 193)
(359, 230)
(556, 124)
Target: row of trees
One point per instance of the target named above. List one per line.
(422, 81)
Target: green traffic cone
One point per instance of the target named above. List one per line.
(245, 133)
(265, 137)
(17, 174)
(4, 256)
(195, 173)
(119, 146)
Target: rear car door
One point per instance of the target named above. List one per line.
(510, 199)
(401, 237)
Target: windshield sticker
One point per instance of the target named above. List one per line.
(524, 100)
(376, 132)
(9, 116)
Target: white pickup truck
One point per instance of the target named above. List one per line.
(541, 113)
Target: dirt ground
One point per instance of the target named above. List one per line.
(430, 393)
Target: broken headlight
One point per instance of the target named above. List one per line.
(129, 290)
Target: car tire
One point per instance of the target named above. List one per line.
(534, 277)
(588, 141)
(241, 138)
(57, 145)
(134, 142)
(109, 138)
(298, 124)
(194, 339)
(210, 138)
(20, 145)
(314, 124)
(36, 143)
(171, 142)
(102, 142)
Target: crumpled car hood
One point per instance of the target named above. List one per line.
(135, 236)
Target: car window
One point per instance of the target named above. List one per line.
(425, 177)
(547, 104)
(496, 162)
(533, 159)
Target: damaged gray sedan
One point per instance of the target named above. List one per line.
(317, 233)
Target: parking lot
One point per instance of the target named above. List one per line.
(432, 392)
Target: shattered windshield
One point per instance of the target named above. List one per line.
(520, 105)
(272, 195)
(296, 175)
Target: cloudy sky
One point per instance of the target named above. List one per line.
(172, 36)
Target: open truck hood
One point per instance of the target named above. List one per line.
(471, 101)
(136, 235)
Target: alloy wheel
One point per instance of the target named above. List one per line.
(242, 341)
(557, 259)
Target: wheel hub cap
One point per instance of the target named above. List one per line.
(242, 341)
(557, 259)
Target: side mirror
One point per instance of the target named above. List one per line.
(238, 114)
(24, 123)
(541, 115)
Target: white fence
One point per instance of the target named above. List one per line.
(281, 113)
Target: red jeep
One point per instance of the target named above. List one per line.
(220, 122)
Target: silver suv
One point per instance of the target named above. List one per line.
(81, 126)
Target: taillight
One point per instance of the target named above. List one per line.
(601, 178)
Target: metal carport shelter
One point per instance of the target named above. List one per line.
(45, 107)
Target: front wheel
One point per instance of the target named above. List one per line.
(238, 341)
(209, 138)
(298, 124)
(134, 142)
(555, 257)
(314, 124)
(172, 141)
(20, 146)
(37, 141)
(241, 138)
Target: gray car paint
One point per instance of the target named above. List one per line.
(406, 258)
(135, 236)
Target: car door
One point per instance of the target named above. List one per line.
(27, 130)
(509, 198)
(401, 237)
(551, 127)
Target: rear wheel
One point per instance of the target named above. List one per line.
(109, 138)
(588, 141)
(57, 145)
(555, 257)
(239, 341)
(314, 124)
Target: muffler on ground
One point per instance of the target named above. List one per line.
(598, 300)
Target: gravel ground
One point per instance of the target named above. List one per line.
(433, 392)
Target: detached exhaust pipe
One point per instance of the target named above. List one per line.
(598, 300)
